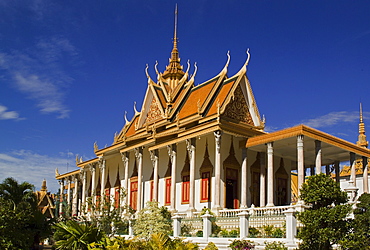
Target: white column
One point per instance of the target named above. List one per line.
(291, 225)
(300, 161)
(176, 225)
(353, 168)
(244, 185)
(337, 172)
(270, 175)
(207, 225)
(102, 170)
(69, 192)
(191, 149)
(217, 185)
(93, 177)
(263, 179)
(318, 157)
(125, 182)
(139, 157)
(61, 183)
(172, 153)
(365, 175)
(244, 224)
(75, 198)
(83, 200)
(154, 158)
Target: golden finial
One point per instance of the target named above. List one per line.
(43, 186)
(361, 129)
(174, 70)
(175, 31)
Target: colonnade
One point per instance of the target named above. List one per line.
(265, 177)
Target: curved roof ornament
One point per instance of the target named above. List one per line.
(126, 120)
(187, 70)
(147, 74)
(136, 112)
(185, 76)
(224, 70)
(195, 72)
(155, 67)
(243, 70)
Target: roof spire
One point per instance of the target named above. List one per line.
(361, 129)
(175, 31)
(174, 70)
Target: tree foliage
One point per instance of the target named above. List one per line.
(358, 237)
(71, 235)
(22, 225)
(325, 221)
(150, 220)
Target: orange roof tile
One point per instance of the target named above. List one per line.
(197, 95)
(221, 97)
(131, 130)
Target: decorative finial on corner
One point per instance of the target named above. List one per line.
(249, 57)
(187, 70)
(56, 172)
(136, 112)
(96, 146)
(125, 117)
(77, 161)
(195, 72)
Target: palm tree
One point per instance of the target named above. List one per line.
(74, 236)
(11, 190)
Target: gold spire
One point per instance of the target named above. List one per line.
(174, 70)
(361, 129)
(43, 186)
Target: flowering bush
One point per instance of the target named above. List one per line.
(241, 245)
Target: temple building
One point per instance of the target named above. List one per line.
(45, 201)
(193, 145)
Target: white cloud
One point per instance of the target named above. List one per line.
(25, 165)
(332, 118)
(8, 115)
(38, 73)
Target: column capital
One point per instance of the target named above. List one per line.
(124, 156)
(300, 140)
(138, 152)
(171, 150)
(154, 156)
(101, 163)
(190, 145)
(218, 135)
(92, 168)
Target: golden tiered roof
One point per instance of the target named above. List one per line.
(175, 108)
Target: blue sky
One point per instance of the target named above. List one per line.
(69, 70)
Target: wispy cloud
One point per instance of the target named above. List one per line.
(332, 118)
(25, 165)
(8, 115)
(38, 73)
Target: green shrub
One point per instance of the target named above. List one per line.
(241, 245)
(234, 233)
(275, 245)
(199, 233)
(211, 246)
(186, 229)
(253, 232)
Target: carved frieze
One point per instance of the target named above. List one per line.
(237, 109)
(154, 113)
